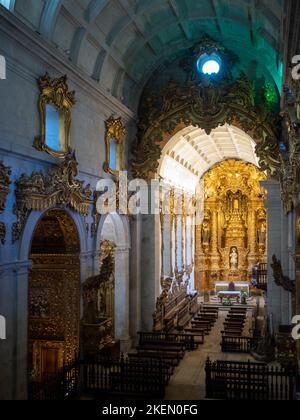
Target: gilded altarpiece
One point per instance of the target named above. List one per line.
(53, 312)
(232, 237)
(54, 295)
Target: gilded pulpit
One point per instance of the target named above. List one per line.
(98, 305)
(232, 237)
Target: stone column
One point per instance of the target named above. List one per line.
(167, 246)
(122, 298)
(14, 350)
(135, 278)
(88, 263)
(278, 300)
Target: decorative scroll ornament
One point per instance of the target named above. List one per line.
(280, 157)
(4, 190)
(280, 279)
(58, 188)
(206, 104)
(54, 92)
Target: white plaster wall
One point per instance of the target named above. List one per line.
(28, 58)
(279, 241)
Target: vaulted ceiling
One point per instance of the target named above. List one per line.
(120, 43)
(192, 152)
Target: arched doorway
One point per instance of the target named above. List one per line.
(114, 231)
(54, 295)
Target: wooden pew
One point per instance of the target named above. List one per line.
(186, 340)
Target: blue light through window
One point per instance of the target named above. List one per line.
(113, 154)
(210, 67)
(52, 128)
(6, 3)
(209, 64)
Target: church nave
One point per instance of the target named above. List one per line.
(149, 200)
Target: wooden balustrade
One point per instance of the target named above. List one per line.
(237, 344)
(249, 381)
(62, 386)
(187, 340)
(126, 377)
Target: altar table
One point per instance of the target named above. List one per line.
(229, 295)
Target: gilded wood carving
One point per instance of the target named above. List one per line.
(57, 188)
(203, 105)
(4, 190)
(54, 299)
(232, 237)
(280, 279)
(54, 92)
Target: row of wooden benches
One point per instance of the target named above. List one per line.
(234, 324)
(203, 322)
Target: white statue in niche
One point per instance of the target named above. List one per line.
(262, 234)
(234, 259)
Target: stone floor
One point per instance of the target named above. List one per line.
(188, 381)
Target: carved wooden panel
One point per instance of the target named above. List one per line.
(54, 307)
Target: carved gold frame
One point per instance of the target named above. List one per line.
(114, 130)
(54, 92)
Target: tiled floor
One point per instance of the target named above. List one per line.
(188, 381)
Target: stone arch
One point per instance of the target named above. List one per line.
(53, 294)
(115, 228)
(206, 107)
(32, 222)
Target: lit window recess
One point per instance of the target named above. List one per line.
(209, 64)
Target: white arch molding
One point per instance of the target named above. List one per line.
(19, 273)
(32, 222)
(115, 228)
(191, 152)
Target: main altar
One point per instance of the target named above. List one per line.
(232, 237)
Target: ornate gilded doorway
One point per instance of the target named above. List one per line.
(233, 236)
(54, 295)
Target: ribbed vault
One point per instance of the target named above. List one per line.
(192, 152)
(121, 42)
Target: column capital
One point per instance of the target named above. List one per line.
(16, 267)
